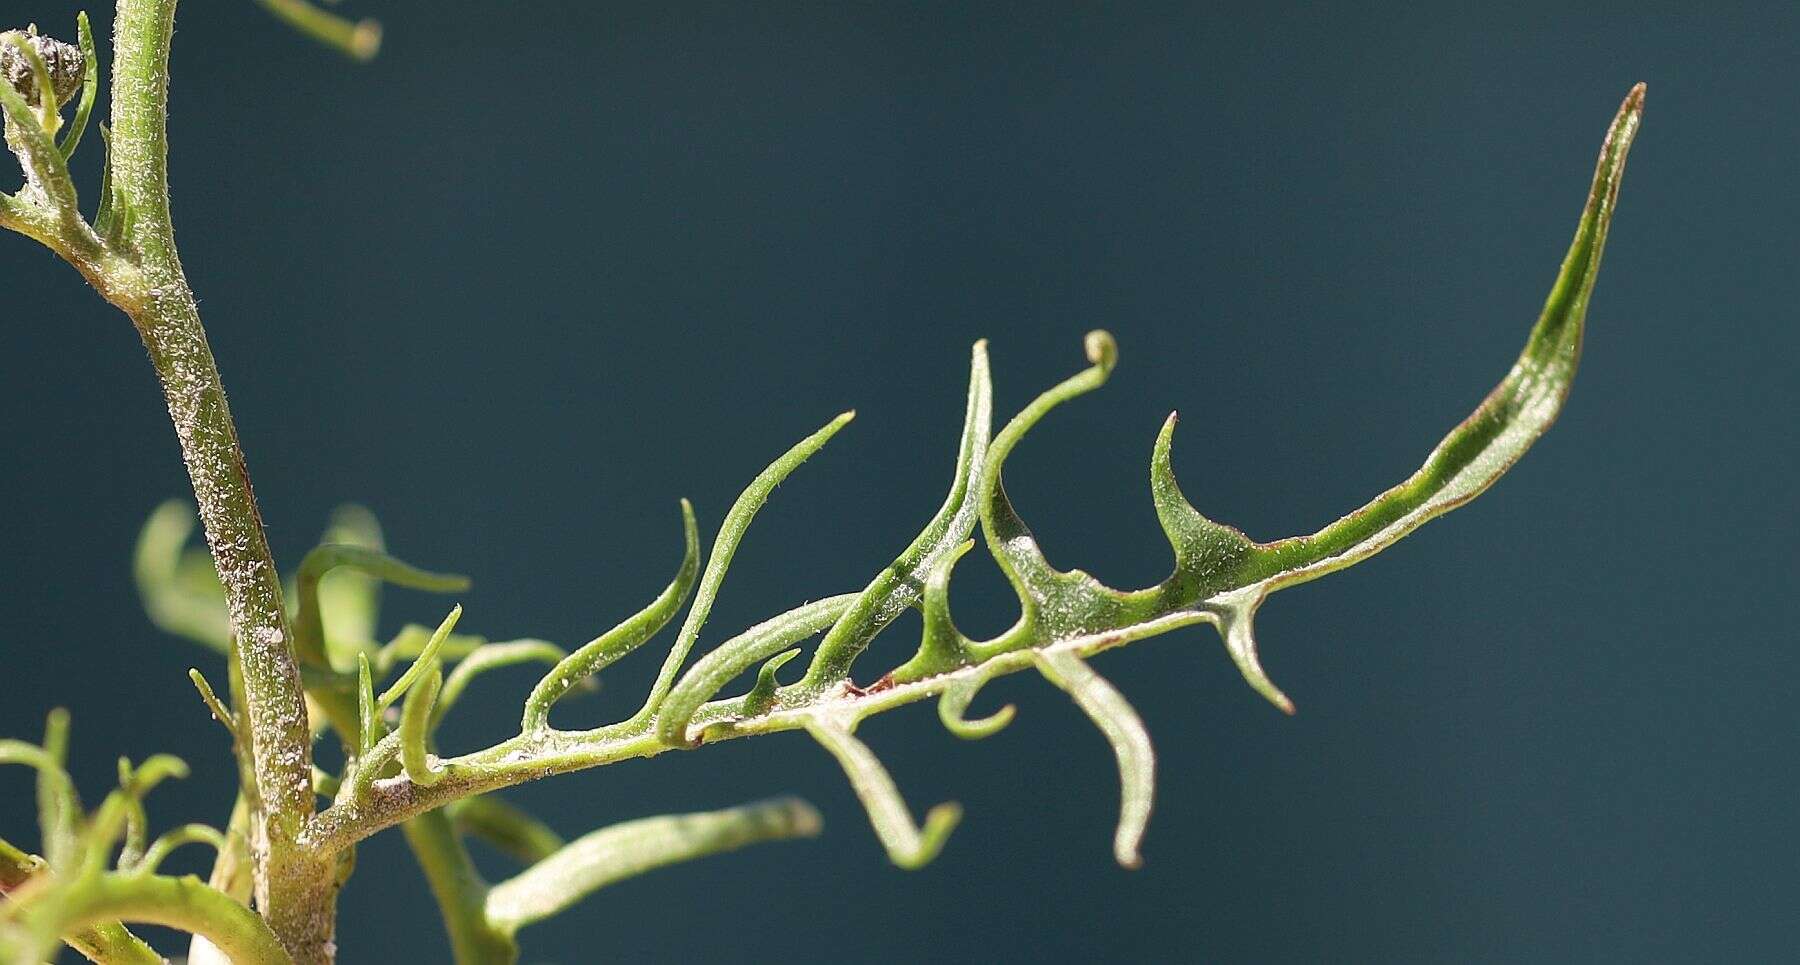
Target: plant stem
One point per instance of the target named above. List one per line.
(102, 941)
(294, 888)
(182, 903)
(460, 891)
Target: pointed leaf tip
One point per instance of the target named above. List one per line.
(1205, 551)
(226, 718)
(1237, 626)
(1481, 448)
(427, 661)
(897, 586)
(725, 544)
(608, 648)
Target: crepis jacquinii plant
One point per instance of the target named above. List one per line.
(294, 674)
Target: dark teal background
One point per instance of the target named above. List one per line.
(543, 268)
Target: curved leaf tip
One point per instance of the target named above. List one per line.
(1102, 349)
(1513, 416)
(1475, 454)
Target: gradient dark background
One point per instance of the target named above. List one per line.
(530, 276)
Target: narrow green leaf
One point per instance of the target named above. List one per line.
(460, 891)
(614, 644)
(105, 213)
(358, 39)
(59, 809)
(1007, 537)
(428, 661)
(494, 656)
(900, 584)
(415, 729)
(1206, 553)
(731, 533)
(108, 942)
(1513, 416)
(1130, 742)
(182, 903)
(349, 601)
(136, 820)
(740, 653)
(1221, 576)
(309, 622)
(121, 815)
(908, 845)
(622, 851)
(368, 717)
(153, 771)
(412, 640)
(1474, 454)
(225, 717)
(90, 86)
(168, 841)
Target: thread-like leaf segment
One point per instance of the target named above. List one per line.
(415, 729)
(609, 647)
(603, 857)
(731, 533)
(908, 845)
(1130, 742)
(901, 583)
(309, 621)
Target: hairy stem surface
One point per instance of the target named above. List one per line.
(294, 889)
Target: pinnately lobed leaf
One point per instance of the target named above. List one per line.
(1220, 576)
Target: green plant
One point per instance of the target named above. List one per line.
(294, 674)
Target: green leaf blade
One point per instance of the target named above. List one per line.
(1130, 741)
(613, 854)
(901, 583)
(1512, 417)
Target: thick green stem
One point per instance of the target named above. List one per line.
(294, 888)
